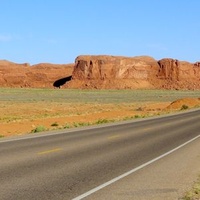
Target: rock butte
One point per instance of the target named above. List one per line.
(104, 72)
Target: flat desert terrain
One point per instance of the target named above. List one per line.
(24, 111)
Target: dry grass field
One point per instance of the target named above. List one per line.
(24, 111)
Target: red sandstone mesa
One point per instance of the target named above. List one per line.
(116, 72)
(134, 72)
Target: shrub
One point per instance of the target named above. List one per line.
(75, 124)
(38, 129)
(55, 124)
(102, 121)
(184, 107)
(67, 126)
(137, 116)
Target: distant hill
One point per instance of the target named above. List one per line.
(42, 75)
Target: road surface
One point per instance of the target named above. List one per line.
(67, 164)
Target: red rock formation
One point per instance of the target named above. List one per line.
(114, 72)
(134, 72)
(179, 74)
(24, 75)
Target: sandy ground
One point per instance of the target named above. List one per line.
(21, 118)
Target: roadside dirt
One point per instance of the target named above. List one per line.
(22, 118)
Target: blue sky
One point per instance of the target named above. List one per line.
(57, 31)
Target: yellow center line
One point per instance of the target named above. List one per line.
(114, 137)
(49, 151)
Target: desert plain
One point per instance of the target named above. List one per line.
(28, 110)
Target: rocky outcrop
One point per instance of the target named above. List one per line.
(134, 72)
(177, 74)
(177, 70)
(114, 72)
(104, 72)
(38, 76)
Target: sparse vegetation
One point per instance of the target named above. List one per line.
(184, 107)
(104, 121)
(67, 126)
(92, 96)
(137, 116)
(79, 124)
(128, 118)
(140, 116)
(55, 124)
(76, 124)
(194, 193)
(73, 105)
(39, 129)
(1, 136)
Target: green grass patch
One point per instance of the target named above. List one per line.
(66, 126)
(104, 121)
(137, 116)
(39, 129)
(79, 124)
(140, 116)
(1, 136)
(128, 118)
(82, 124)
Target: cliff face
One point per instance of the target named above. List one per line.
(38, 76)
(179, 74)
(114, 72)
(178, 70)
(134, 72)
(104, 72)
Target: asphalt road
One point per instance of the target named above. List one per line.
(66, 165)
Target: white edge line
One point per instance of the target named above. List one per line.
(132, 171)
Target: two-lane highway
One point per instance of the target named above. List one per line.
(68, 164)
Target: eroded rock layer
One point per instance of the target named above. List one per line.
(37, 76)
(104, 72)
(134, 72)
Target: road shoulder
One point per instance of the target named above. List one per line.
(167, 178)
